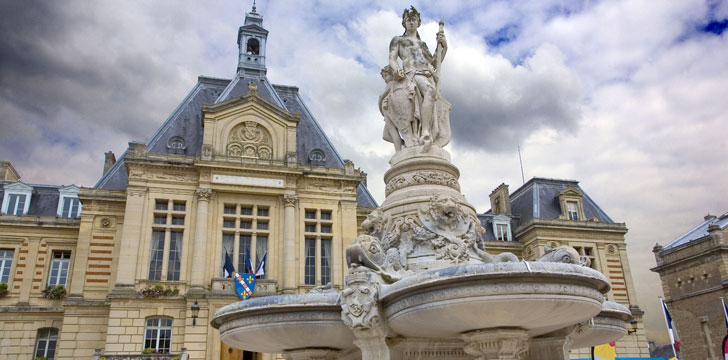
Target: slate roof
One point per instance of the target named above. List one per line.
(43, 202)
(185, 122)
(538, 198)
(699, 231)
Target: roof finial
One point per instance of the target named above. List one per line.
(253, 5)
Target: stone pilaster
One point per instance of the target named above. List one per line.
(504, 344)
(556, 348)
(80, 262)
(200, 242)
(131, 233)
(289, 243)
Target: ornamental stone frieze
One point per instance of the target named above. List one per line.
(203, 194)
(290, 199)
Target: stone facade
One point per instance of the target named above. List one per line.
(693, 270)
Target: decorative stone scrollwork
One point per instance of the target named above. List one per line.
(203, 194)
(206, 152)
(422, 177)
(136, 192)
(250, 140)
(291, 159)
(564, 254)
(105, 222)
(611, 249)
(290, 199)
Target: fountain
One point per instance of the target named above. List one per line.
(420, 282)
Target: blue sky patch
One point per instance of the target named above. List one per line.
(503, 35)
(715, 27)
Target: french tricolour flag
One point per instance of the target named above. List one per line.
(674, 339)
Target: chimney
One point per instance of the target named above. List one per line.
(500, 201)
(8, 172)
(109, 160)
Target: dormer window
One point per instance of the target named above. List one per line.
(68, 204)
(16, 200)
(176, 145)
(502, 228)
(572, 207)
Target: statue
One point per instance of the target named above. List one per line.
(413, 111)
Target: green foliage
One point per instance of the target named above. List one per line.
(3, 289)
(41, 358)
(148, 351)
(157, 291)
(53, 293)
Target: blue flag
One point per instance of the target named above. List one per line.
(248, 262)
(260, 271)
(228, 269)
(244, 285)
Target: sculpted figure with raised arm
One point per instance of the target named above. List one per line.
(414, 113)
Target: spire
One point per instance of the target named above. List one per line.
(252, 38)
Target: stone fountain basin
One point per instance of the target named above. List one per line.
(609, 325)
(275, 324)
(538, 297)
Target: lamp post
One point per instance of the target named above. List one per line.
(195, 312)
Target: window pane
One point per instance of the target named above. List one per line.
(155, 262)
(161, 205)
(178, 206)
(228, 223)
(246, 224)
(262, 225)
(310, 267)
(75, 205)
(243, 249)
(160, 219)
(246, 210)
(310, 227)
(59, 268)
(6, 262)
(326, 215)
(229, 209)
(158, 334)
(66, 207)
(325, 261)
(326, 228)
(262, 211)
(12, 204)
(310, 214)
(228, 247)
(178, 221)
(46, 343)
(261, 247)
(175, 255)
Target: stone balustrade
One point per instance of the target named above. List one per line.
(181, 356)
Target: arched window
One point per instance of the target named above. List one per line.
(45, 345)
(176, 145)
(253, 47)
(158, 334)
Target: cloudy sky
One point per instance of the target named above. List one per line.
(628, 97)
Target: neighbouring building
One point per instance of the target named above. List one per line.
(240, 167)
(693, 272)
(547, 213)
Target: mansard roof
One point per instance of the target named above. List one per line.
(185, 123)
(44, 198)
(700, 231)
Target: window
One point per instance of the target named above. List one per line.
(317, 247)
(325, 261)
(165, 260)
(502, 232)
(60, 263)
(158, 334)
(572, 210)
(310, 276)
(16, 204)
(247, 233)
(16, 198)
(45, 345)
(502, 227)
(6, 262)
(71, 207)
(588, 252)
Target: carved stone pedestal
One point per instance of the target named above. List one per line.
(429, 349)
(556, 348)
(311, 354)
(496, 344)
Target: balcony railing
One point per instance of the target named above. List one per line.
(181, 356)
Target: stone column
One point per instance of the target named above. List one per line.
(289, 243)
(503, 344)
(200, 242)
(29, 272)
(360, 311)
(130, 239)
(556, 348)
(80, 262)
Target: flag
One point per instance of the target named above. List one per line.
(674, 339)
(228, 269)
(604, 352)
(248, 263)
(244, 285)
(260, 271)
(725, 314)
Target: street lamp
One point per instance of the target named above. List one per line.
(195, 312)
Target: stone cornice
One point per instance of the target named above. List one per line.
(696, 256)
(570, 225)
(44, 221)
(252, 98)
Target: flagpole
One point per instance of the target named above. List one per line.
(669, 329)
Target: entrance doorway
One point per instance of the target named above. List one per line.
(228, 352)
